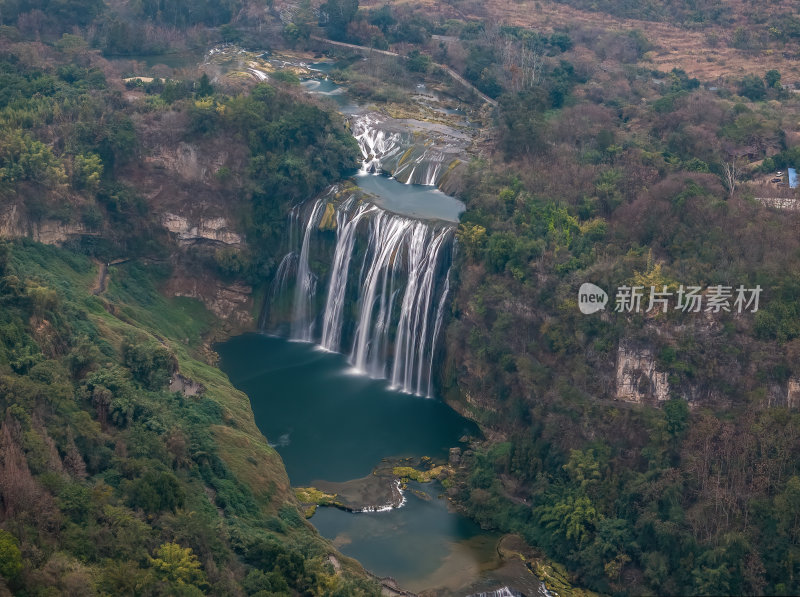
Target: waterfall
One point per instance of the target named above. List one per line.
(437, 327)
(391, 147)
(375, 144)
(306, 286)
(346, 238)
(386, 290)
(282, 274)
(386, 280)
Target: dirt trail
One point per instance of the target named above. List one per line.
(444, 67)
(101, 282)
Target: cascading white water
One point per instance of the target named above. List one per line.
(375, 144)
(306, 286)
(412, 327)
(282, 274)
(346, 238)
(437, 328)
(400, 283)
(401, 154)
(388, 309)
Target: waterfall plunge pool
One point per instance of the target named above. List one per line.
(329, 424)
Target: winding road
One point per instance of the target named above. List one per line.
(444, 67)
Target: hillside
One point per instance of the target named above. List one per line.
(726, 39)
(648, 450)
(128, 462)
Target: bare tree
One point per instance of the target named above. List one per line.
(522, 63)
(731, 173)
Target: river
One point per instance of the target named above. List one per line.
(331, 422)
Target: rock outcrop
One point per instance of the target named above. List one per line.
(793, 393)
(230, 302)
(212, 229)
(638, 380)
(14, 224)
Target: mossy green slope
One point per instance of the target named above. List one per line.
(113, 483)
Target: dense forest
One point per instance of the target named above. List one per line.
(639, 177)
(113, 480)
(626, 181)
(597, 165)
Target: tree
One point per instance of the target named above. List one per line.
(24, 158)
(150, 363)
(155, 492)
(773, 79)
(473, 237)
(787, 507)
(204, 86)
(730, 176)
(418, 62)
(583, 468)
(337, 15)
(572, 517)
(677, 413)
(752, 87)
(178, 565)
(87, 172)
(10, 556)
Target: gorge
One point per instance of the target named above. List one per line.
(361, 294)
(290, 298)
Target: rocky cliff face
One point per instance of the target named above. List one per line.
(212, 230)
(638, 380)
(788, 396)
(193, 190)
(793, 393)
(232, 303)
(14, 223)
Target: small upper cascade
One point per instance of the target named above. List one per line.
(375, 143)
(395, 147)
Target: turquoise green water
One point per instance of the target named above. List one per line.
(328, 423)
(410, 544)
(414, 200)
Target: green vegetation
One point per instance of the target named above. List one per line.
(107, 474)
(629, 183)
(296, 149)
(337, 15)
(406, 473)
(593, 168)
(311, 497)
(111, 483)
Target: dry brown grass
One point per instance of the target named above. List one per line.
(676, 47)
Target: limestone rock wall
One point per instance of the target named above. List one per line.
(638, 380)
(211, 229)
